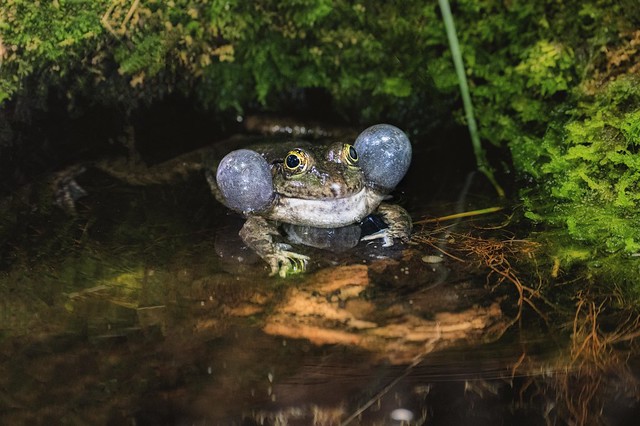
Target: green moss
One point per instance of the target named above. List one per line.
(44, 37)
(146, 56)
(563, 97)
(546, 67)
(231, 53)
(590, 167)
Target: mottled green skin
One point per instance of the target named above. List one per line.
(327, 177)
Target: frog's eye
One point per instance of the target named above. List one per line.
(349, 154)
(297, 161)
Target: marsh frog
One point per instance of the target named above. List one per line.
(316, 191)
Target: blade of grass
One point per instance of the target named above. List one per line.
(454, 45)
(459, 215)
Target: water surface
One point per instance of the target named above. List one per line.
(146, 308)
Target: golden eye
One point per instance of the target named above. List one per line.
(296, 161)
(349, 154)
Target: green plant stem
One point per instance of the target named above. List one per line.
(454, 45)
(488, 210)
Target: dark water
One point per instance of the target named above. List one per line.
(139, 311)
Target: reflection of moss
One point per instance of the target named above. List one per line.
(117, 255)
(122, 289)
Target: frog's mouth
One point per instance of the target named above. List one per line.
(326, 212)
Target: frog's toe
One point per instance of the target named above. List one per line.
(294, 264)
(285, 262)
(383, 234)
(387, 235)
(245, 181)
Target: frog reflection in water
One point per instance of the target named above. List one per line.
(319, 193)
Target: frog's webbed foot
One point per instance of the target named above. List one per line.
(66, 190)
(399, 225)
(284, 262)
(257, 233)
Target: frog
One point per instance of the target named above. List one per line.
(314, 191)
(308, 187)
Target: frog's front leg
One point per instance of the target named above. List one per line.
(257, 233)
(398, 221)
(244, 183)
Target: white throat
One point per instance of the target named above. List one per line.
(326, 213)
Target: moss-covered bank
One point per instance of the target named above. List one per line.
(231, 53)
(554, 82)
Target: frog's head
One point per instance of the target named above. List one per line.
(316, 184)
(378, 160)
(318, 172)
